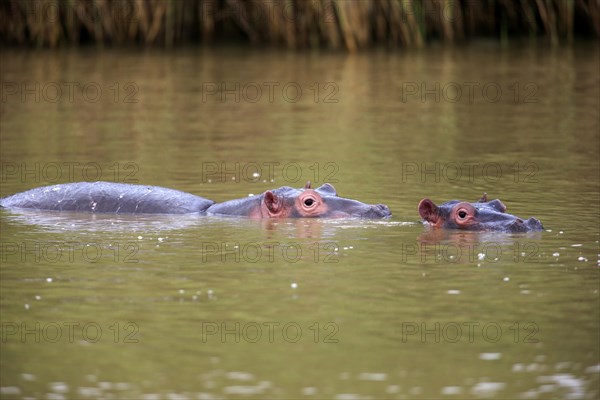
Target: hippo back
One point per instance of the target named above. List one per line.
(108, 197)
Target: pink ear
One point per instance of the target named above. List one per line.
(428, 211)
(272, 202)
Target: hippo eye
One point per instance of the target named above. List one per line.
(309, 202)
(464, 214)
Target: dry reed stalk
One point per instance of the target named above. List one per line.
(349, 24)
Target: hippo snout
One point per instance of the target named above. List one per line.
(532, 224)
(379, 211)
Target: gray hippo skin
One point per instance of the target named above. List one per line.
(120, 198)
(108, 197)
(483, 215)
(287, 202)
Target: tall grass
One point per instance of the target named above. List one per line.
(347, 24)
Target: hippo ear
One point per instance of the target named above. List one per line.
(498, 205)
(327, 189)
(428, 211)
(307, 186)
(483, 198)
(273, 202)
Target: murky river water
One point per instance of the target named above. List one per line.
(190, 307)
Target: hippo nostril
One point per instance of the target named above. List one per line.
(382, 210)
(519, 221)
(534, 223)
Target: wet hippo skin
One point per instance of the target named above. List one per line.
(108, 197)
(120, 198)
(483, 215)
(287, 202)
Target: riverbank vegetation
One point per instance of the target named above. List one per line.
(335, 24)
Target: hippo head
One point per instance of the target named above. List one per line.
(287, 202)
(481, 216)
(322, 202)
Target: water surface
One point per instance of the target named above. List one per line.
(197, 307)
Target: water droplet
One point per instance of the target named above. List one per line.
(490, 356)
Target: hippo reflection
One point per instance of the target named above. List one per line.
(120, 198)
(481, 216)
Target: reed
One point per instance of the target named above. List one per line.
(335, 24)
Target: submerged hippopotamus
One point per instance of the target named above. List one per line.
(121, 198)
(287, 202)
(481, 216)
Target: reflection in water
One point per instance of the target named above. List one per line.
(540, 136)
(434, 235)
(64, 221)
(303, 228)
(468, 247)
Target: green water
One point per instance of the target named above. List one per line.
(190, 307)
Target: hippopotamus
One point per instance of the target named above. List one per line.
(108, 197)
(287, 202)
(483, 215)
(121, 198)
